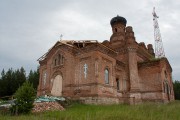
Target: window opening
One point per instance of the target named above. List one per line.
(118, 87)
(59, 59)
(106, 73)
(115, 29)
(55, 62)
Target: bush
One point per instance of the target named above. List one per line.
(24, 96)
(176, 85)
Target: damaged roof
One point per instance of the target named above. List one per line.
(71, 43)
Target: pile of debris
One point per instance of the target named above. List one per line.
(44, 106)
(45, 103)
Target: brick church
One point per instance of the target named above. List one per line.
(118, 70)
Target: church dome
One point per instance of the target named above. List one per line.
(118, 19)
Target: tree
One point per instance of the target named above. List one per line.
(33, 78)
(24, 96)
(176, 85)
(2, 73)
(11, 81)
(2, 84)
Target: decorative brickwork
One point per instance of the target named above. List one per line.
(116, 71)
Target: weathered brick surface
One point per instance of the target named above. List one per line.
(82, 65)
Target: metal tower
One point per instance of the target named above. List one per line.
(159, 50)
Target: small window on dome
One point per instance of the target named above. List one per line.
(115, 29)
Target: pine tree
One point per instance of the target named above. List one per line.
(11, 81)
(33, 78)
(176, 86)
(24, 96)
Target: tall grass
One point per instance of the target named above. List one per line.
(147, 111)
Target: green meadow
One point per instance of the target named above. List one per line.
(76, 111)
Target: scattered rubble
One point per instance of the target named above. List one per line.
(45, 103)
(41, 104)
(44, 106)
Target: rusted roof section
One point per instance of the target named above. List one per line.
(72, 43)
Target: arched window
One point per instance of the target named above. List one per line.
(44, 77)
(59, 59)
(85, 70)
(164, 85)
(125, 84)
(167, 88)
(106, 74)
(55, 62)
(165, 74)
(118, 84)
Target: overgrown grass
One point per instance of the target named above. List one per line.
(147, 111)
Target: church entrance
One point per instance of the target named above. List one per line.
(57, 86)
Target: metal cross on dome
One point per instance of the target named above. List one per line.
(61, 36)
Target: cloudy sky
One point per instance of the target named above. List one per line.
(28, 28)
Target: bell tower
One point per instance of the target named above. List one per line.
(118, 25)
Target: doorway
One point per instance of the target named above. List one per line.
(57, 86)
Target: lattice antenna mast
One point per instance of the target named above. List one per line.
(159, 50)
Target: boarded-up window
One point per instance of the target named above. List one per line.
(44, 77)
(106, 74)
